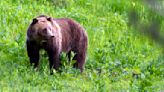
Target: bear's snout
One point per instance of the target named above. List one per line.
(50, 34)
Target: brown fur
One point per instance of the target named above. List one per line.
(67, 35)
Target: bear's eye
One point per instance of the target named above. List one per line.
(45, 31)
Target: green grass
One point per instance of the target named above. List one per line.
(119, 59)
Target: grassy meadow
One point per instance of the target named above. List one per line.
(119, 59)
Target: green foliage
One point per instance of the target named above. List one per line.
(118, 58)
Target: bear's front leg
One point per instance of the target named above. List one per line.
(54, 60)
(33, 53)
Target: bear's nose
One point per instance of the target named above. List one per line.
(52, 36)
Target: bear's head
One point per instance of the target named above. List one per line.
(41, 28)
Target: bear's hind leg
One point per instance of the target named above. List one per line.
(80, 61)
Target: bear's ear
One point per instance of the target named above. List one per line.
(34, 21)
(49, 19)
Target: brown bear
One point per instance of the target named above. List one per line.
(56, 35)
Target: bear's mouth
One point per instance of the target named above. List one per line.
(46, 39)
(43, 41)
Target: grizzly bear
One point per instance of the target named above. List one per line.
(56, 35)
